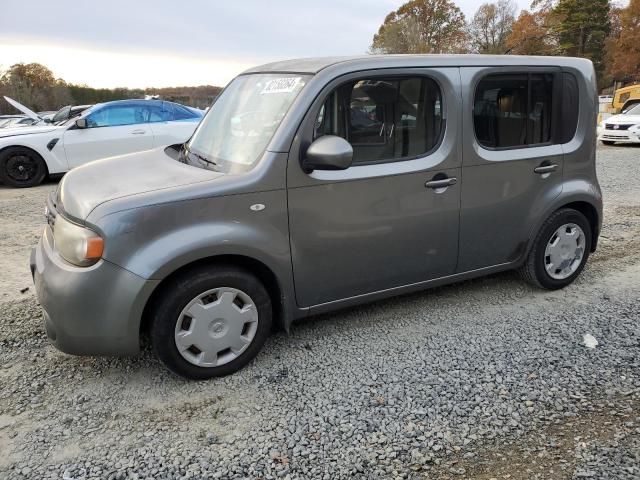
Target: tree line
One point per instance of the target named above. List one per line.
(599, 30)
(36, 87)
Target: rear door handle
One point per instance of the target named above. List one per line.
(444, 183)
(138, 132)
(546, 168)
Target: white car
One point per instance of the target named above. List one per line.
(623, 128)
(29, 154)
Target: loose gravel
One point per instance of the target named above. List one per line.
(485, 379)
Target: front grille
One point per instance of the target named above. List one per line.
(620, 126)
(615, 137)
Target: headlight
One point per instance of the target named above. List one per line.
(76, 244)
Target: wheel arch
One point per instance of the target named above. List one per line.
(592, 215)
(586, 206)
(251, 265)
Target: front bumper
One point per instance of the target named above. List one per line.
(88, 310)
(622, 136)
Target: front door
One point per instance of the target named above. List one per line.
(391, 219)
(112, 130)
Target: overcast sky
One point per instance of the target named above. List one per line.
(183, 42)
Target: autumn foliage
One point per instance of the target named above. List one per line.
(530, 36)
(599, 30)
(625, 48)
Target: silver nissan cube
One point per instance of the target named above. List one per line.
(317, 184)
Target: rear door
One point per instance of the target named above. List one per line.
(513, 163)
(111, 130)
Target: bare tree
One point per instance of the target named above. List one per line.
(491, 26)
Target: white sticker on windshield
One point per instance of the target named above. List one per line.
(281, 85)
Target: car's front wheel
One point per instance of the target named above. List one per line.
(21, 167)
(210, 321)
(559, 251)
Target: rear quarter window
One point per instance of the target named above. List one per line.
(570, 107)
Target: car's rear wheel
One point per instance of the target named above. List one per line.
(21, 167)
(559, 251)
(608, 142)
(210, 321)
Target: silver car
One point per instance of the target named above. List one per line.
(316, 184)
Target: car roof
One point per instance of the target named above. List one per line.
(315, 65)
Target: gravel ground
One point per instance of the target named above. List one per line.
(485, 379)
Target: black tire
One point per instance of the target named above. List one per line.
(179, 292)
(21, 167)
(533, 271)
(608, 142)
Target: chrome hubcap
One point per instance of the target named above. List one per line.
(216, 327)
(564, 251)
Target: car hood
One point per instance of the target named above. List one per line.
(86, 187)
(623, 119)
(14, 131)
(27, 111)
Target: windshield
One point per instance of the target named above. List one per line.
(635, 110)
(238, 127)
(61, 115)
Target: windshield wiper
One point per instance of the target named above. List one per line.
(202, 158)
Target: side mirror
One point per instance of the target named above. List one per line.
(328, 152)
(81, 123)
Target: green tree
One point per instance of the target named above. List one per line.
(422, 26)
(491, 26)
(582, 27)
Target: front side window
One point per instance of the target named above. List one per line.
(239, 125)
(384, 119)
(116, 115)
(513, 110)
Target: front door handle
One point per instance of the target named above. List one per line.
(542, 169)
(443, 183)
(138, 132)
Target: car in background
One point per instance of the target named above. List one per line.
(623, 128)
(28, 155)
(9, 121)
(42, 118)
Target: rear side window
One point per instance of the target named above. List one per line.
(570, 108)
(180, 112)
(384, 119)
(513, 110)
